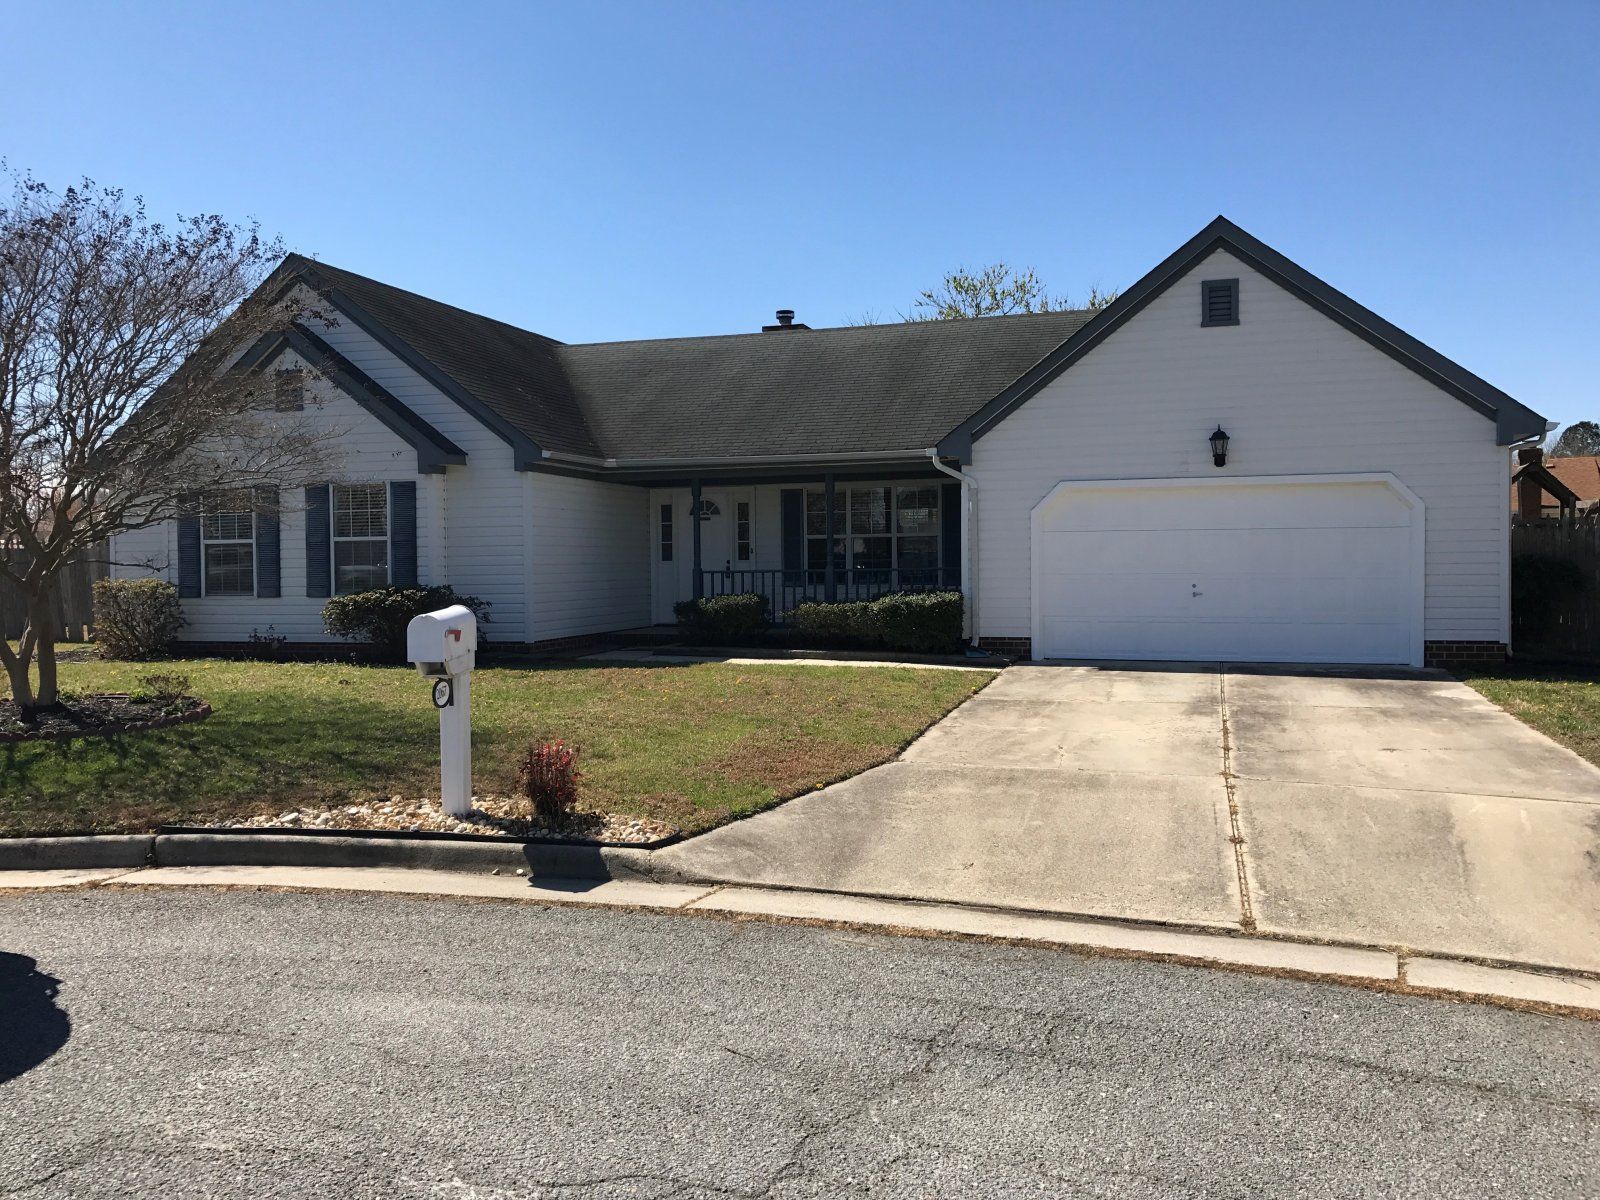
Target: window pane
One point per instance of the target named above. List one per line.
(227, 526)
(917, 509)
(817, 555)
(230, 570)
(742, 531)
(918, 554)
(869, 510)
(360, 566)
(666, 533)
(360, 510)
(872, 553)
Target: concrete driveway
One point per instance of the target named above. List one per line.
(1399, 808)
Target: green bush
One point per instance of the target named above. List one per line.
(136, 619)
(380, 617)
(741, 615)
(921, 622)
(823, 624)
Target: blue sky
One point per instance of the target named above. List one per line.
(598, 171)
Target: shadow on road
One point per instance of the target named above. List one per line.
(33, 1027)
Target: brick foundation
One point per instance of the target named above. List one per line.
(1010, 647)
(1456, 656)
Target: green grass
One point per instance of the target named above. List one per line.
(1562, 703)
(692, 744)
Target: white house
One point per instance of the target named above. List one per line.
(1067, 471)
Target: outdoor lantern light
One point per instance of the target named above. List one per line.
(1219, 447)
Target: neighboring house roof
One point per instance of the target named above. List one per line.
(1581, 474)
(812, 393)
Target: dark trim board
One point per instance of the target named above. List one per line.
(734, 476)
(434, 450)
(1513, 421)
(303, 270)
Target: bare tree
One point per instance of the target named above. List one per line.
(118, 406)
(995, 291)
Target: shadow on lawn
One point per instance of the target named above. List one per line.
(34, 1027)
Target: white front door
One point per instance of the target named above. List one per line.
(1261, 570)
(674, 577)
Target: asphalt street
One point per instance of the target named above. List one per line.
(221, 1044)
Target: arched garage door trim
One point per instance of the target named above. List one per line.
(1414, 567)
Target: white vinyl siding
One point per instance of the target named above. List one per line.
(591, 546)
(1298, 394)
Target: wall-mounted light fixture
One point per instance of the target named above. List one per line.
(1219, 448)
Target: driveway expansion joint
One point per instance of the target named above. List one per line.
(1247, 918)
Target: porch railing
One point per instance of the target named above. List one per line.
(785, 589)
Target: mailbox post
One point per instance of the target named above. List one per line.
(444, 647)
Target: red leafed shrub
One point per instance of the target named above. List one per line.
(548, 777)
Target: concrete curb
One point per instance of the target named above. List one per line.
(76, 853)
(1551, 992)
(441, 854)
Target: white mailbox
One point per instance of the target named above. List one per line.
(444, 642)
(444, 646)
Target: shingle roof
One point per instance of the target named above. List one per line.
(1580, 473)
(818, 391)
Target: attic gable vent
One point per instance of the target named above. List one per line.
(1219, 302)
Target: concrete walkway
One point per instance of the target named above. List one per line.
(1362, 806)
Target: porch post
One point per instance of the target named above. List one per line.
(694, 516)
(830, 585)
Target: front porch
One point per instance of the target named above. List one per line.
(831, 539)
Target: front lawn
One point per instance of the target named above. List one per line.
(1561, 703)
(692, 744)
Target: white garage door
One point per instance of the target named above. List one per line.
(1327, 569)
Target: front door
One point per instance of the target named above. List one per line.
(675, 578)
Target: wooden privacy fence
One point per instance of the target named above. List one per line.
(74, 595)
(1561, 620)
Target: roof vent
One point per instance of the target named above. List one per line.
(1219, 302)
(785, 321)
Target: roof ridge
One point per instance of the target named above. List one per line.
(712, 337)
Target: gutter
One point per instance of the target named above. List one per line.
(627, 464)
(969, 537)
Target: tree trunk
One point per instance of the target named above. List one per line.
(21, 684)
(42, 621)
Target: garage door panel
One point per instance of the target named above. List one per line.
(1226, 577)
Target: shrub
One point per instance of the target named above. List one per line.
(741, 615)
(548, 777)
(270, 646)
(830, 624)
(136, 618)
(923, 622)
(380, 617)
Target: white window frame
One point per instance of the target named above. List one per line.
(893, 532)
(334, 539)
(209, 509)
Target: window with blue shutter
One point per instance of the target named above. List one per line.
(403, 533)
(268, 554)
(319, 546)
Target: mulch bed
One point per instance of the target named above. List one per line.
(100, 716)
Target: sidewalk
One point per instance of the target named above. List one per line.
(1377, 968)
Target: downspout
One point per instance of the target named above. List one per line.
(969, 539)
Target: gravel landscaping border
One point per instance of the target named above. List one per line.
(407, 835)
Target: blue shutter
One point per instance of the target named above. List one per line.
(268, 555)
(189, 548)
(403, 533)
(793, 507)
(319, 546)
(950, 534)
